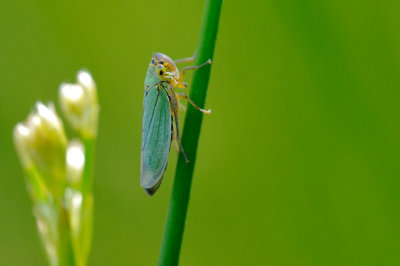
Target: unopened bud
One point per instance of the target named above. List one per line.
(41, 143)
(80, 105)
(75, 163)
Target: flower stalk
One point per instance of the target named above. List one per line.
(56, 170)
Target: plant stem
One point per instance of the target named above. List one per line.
(66, 256)
(174, 228)
(85, 238)
(87, 180)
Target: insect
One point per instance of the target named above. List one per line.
(161, 108)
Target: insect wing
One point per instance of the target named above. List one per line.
(156, 138)
(151, 78)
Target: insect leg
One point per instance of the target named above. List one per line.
(173, 103)
(182, 106)
(186, 59)
(184, 96)
(178, 140)
(182, 84)
(173, 135)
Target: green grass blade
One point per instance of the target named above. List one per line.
(174, 228)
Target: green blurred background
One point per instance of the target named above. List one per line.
(299, 163)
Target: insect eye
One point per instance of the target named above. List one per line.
(152, 61)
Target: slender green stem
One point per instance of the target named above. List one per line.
(174, 228)
(66, 256)
(87, 180)
(85, 238)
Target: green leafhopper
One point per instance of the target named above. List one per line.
(161, 108)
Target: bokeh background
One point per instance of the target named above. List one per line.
(299, 163)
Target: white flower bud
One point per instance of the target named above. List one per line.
(46, 220)
(75, 163)
(80, 105)
(73, 199)
(80, 212)
(41, 143)
(20, 134)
